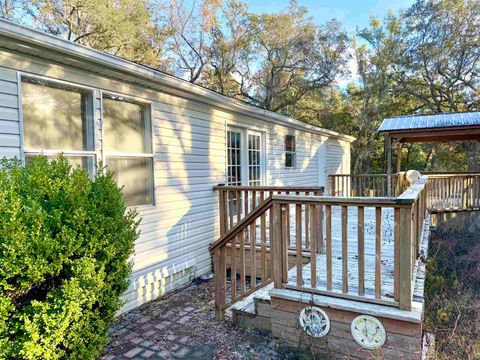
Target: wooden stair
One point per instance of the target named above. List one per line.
(254, 310)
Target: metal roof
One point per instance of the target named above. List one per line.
(412, 122)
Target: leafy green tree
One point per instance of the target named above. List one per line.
(231, 48)
(439, 62)
(291, 58)
(120, 27)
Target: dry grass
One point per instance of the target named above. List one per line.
(453, 293)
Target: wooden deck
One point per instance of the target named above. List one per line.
(387, 255)
(247, 306)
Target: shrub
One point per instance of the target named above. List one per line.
(65, 244)
(452, 293)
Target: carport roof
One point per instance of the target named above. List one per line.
(409, 122)
(439, 127)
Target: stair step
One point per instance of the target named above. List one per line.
(247, 305)
(254, 310)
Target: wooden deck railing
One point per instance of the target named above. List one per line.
(288, 226)
(235, 202)
(368, 185)
(449, 192)
(245, 228)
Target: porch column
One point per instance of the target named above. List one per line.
(388, 153)
(399, 157)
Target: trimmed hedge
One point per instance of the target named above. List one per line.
(65, 244)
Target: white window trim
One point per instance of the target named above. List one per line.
(148, 117)
(55, 152)
(294, 166)
(245, 131)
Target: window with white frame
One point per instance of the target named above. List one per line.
(290, 154)
(57, 119)
(128, 147)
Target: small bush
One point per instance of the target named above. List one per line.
(452, 294)
(65, 243)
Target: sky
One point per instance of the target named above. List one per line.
(351, 13)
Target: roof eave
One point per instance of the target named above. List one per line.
(43, 40)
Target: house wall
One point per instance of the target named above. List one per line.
(189, 152)
(337, 159)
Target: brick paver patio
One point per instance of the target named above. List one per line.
(182, 326)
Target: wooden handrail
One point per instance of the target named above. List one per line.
(295, 225)
(225, 238)
(444, 173)
(270, 188)
(335, 200)
(245, 234)
(235, 202)
(449, 192)
(408, 220)
(368, 185)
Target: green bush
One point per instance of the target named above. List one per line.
(65, 244)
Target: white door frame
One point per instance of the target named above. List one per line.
(245, 131)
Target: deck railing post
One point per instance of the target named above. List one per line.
(219, 259)
(332, 185)
(276, 246)
(221, 210)
(405, 258)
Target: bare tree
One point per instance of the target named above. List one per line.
(191, 41)
(7, 8)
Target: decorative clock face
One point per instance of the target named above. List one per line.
(368, 332)
(314, 321)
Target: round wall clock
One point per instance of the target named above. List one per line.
(314, 321)
(368, 332)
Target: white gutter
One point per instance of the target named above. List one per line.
(54, 43)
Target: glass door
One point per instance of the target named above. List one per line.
(255, 173)
(245, 157)
(234, 157)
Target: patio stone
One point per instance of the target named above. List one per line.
(136, 340)
(148, 353)
(183, 326)
(133, 352)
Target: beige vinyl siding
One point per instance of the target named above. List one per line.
(305, 172)
(9, 114)
(337, 159)
(189, 155)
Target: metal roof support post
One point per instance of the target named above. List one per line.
(388, 153)
(398, 161)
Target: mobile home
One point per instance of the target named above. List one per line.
(168, 141)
